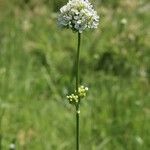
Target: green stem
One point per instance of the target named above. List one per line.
(77, 86)
(77, 62)
(77, 126)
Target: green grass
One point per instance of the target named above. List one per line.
(36, 61)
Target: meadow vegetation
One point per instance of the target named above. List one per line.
(36, 61)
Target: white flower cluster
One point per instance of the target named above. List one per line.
(78, 15)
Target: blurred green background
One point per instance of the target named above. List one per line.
(36, 61)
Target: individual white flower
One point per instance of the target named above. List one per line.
(78, 15)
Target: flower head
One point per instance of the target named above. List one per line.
(78, 15)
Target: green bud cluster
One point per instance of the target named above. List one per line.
(82, 91)
(75, 97)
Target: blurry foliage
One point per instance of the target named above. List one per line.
(36, 60)
(112, 3)
(111, 62)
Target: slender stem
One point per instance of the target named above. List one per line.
(77, 62)
(77, 85)
(77, 126)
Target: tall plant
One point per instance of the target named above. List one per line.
(78, 15)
